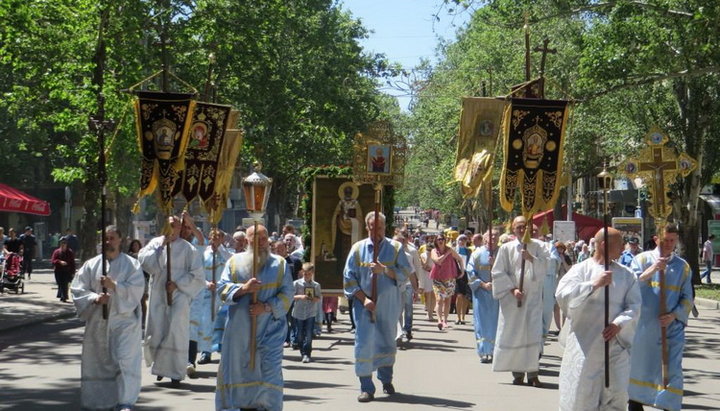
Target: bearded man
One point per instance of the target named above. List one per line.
(111, 350)
(238, 384)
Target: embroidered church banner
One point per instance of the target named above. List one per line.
(203, 151)
(162, 122)
(229, 154)
(534, 139)
(480, 124)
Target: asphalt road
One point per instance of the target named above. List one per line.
(40, 370)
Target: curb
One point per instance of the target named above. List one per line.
(39, 320)
(707, 304)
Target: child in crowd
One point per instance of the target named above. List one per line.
(307, 301)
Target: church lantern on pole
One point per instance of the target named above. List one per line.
(256, 188)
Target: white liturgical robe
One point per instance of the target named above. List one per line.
(582, 372)
(167, 331)
(111, 350)
(517, 346)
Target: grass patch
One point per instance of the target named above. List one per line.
(709, 291)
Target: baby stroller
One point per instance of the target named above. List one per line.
(12, 277)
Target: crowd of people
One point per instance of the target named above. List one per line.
(251, 295)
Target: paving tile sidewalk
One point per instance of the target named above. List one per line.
(38, 304)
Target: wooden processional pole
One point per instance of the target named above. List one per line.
(253, 318)
(376, 251)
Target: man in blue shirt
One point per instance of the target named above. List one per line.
(634, 249)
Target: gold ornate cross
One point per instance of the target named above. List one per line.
(658, 166)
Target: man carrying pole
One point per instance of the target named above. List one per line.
(580, 294)
(665, 283)
(168, 326)
(656, 378)
(111, 353)
(375, 346)
(519, 332)
(247, 377)
(204, 306)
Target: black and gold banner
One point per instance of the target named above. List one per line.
(534, 139)
(203, 151)
(162, 123)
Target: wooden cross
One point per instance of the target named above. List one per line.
(544, 50)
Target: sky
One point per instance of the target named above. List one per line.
(405, 31)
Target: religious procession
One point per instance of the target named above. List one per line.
(527, 231)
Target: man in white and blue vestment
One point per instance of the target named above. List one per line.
(375, 346)
(485, 307)
(238, 385)
(646, 381)
(214, 257)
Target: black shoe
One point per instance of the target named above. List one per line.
(408, 335)
(388, 388)
(365, 397)
(518, 380)
(205, 358)
(159, 378)
(175, 383)
(295, 347)
(535, 382)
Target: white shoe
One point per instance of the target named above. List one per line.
(190, 370)
(306, 359)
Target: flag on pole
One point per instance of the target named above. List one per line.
(480, 124)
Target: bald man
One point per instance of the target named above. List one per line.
(519, 332)
(581, 295)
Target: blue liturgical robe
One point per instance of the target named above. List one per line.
(485, 307)
(375, 345)
(238, 386)
(201, 323)
(646, 383)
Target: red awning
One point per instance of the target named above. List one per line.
(14, 200)
(585, 226)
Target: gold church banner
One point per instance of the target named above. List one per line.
(229, 154)
(162, 123)
(480, 124)
(534, 139)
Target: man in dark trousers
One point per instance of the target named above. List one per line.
(29, 244)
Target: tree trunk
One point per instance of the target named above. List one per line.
(123, 214)
(88, 238)
(692, 97)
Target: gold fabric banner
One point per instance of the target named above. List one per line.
(534, 140)
(162, 123)
(229, 154)
(480, 124)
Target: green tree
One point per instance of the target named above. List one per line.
(628, 64)
(294, 69)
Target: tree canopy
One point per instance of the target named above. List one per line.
(627, 65)
(294, 69)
